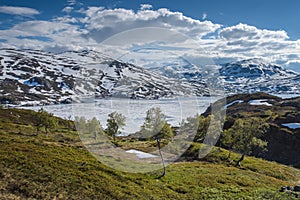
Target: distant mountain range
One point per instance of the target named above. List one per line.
(254, 75)
(30, 77)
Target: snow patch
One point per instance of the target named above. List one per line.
(141, 154)
(292, 125)
(259, 102)
(230, 104)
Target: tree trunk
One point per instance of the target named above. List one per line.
(162, 158)
(218, 144)
(238, 164)
(229, 149)
(46, 129)
(229, 155)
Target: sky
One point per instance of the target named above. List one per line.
(221, 30)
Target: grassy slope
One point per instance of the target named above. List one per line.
(283, 143)
(40, 167)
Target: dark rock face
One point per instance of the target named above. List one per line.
(297, 188)
(283, 146)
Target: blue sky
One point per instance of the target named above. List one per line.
(267, 14)
(227, 28)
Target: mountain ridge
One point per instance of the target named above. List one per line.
(31, 77)
(45, 78)
(255, 75)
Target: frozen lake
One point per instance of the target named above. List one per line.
(175, 109)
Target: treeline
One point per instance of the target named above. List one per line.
(243, 135)
(154, 126)
(43, 119)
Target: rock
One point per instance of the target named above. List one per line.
(66, 101)
(5, 100)
(283, 189)
(286, 188)
(297, 188)
(289, 188)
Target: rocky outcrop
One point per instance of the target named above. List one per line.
(283, 141)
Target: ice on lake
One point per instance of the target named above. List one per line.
(175, 109)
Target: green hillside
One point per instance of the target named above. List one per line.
(282, 142)
(57, 166)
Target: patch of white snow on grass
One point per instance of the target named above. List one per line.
(230, 104)
(259, 102)
(141, 154)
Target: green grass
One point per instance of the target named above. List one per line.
(59, 167)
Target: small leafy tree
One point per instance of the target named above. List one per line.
(207, 129)
(167, 131)
(189, 127)
(155, 124)
(203, 124)
(46, 120)
(70, 123)
(214, 129)
(94, 127)
(115, 121)
(80, 124)
(38, 120)
(244, 136)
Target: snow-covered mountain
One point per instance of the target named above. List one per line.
(244, 76)
(29, 77)
(254, 75)
(36, 77)
(253, 69)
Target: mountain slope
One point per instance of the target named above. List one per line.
(29, 77)
(59, 167)
(35, 77)
(243, 76)
(254, 69)
(283, 140)
(254, 75)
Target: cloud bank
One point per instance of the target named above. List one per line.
(87, 28)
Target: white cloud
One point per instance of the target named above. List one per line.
(13, 10)
(244, 31)
(103, 23)
(100, 23)
(57, 34)
(146, 6)
(45, 28)
(96, 24)
(67, 9)
(66, 19)
(72, 2)
(243, 41)
(204, 16)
